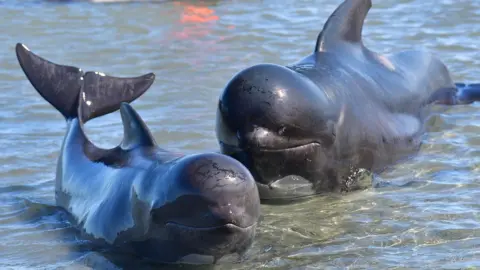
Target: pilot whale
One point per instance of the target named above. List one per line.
(315, 125)
(166, 207)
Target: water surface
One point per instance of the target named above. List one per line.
(426, 216)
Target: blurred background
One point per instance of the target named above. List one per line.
(424, 213)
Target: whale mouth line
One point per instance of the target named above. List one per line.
(281, 185)
(211, 228)
(290, 148)
(271, 149)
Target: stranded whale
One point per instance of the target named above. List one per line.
(166, 207)
(312, 126)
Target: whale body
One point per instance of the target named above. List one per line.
(166, 207)
(316, 125)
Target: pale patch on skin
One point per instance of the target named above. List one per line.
(386, 62)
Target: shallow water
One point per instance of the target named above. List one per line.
(424, 213)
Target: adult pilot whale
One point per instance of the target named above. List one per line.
(169, 208)
(312, 126)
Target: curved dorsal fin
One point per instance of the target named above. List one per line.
(136, 133)
(344, 25)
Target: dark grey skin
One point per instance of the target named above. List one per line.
(313, 126)
(168, 208)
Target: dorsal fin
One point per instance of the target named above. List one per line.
(136, 133)
(344, 25)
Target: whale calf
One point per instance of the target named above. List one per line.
(315, 125)
(166, 207)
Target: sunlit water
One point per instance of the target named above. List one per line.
(425, 214)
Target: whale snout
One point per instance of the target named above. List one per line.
(215, 208)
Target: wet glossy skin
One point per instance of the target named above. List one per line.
(204, 204)
(312, 126)
(168, 208)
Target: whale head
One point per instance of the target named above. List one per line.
(275, 122)
(208, 207)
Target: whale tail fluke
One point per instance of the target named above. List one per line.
(468, 93)
(75, 93)
(57, 84)
(102, 94)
